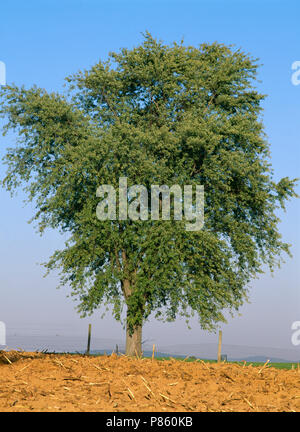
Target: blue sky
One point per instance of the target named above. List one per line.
(43, 42)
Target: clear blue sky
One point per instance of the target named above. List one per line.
(42, 42)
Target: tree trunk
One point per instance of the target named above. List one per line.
(134, 338)
(134, 342)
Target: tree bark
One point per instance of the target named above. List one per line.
(134, 337)
(134, 341)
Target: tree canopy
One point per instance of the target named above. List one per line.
(159, 115)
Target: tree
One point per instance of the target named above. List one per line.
(157, 115)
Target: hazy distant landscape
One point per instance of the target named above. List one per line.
(202, 350)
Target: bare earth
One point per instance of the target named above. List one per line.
(50, 382)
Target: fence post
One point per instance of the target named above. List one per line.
(220, 346)
(89, 339)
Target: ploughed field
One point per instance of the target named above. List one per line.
(65, 382)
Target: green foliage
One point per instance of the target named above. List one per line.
(156, 114)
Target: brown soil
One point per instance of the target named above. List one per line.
(50, 382)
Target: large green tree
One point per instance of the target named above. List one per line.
(158, 115)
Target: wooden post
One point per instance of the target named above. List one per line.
(89, 340)
(220, 346)
(153, 352)
(117, 349)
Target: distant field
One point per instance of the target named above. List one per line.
(281, 365)
(275, 365)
